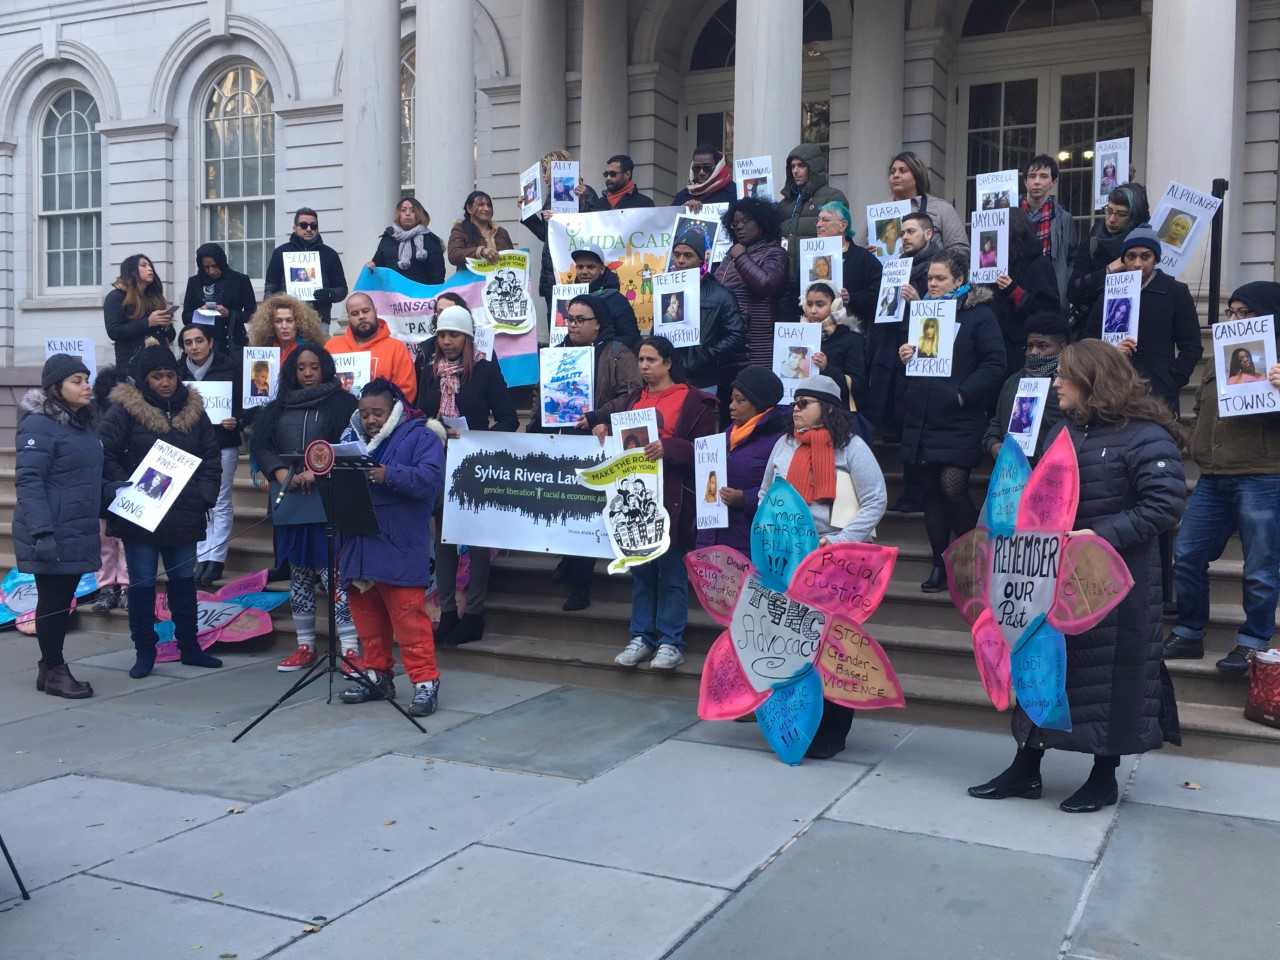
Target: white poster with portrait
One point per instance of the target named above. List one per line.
(822, 261)
(1180, 220)
(154, 485)
(302, 274)
(631, 430)
(531, 191)
(724, 241)
(353, 370)
(884, 228)
(1027, 413)
(677, 307)
(261, 376)
(932, 331)
(564, 181)
(710, 468)
(988, 245)
(1243, 352)
(794, 345)
(996, 191)
(1121, 301)
(558, 322)
(891, 306)
(753, 177)
(1110, 168)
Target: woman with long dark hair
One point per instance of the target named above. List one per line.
(310, 405)
(135, 309)
(1132, 489)
(755, 270)
(409, 247)
(476, 235)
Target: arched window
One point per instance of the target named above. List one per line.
(237, 207)
(714, 49)
(69, 233)
(408, 79)
(1001, 16)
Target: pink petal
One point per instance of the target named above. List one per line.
(855, 670)
(162, 606)
(849, 577)
(1092, 580)
(991, 653)
(723, 692)
(968, 562)
(717, 575)
(1049, 502)
(249, 583)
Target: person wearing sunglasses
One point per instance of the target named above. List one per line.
(620, 190)
(306, 238)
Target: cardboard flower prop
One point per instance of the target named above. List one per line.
(18, 599)
(793, 615)
(240, 611)
(1022, 581)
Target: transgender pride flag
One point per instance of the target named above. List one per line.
(410, 310)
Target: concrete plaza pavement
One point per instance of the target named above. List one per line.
(543, 821)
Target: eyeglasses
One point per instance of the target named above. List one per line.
(578, 321)
(307, 224)
(801, 403)
(1237, 313)
(1119, 213)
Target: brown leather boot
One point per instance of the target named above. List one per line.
(59, 682)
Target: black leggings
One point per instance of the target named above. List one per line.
(54, 592)
(948, 508)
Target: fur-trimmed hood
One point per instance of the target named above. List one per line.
(976, 296)
(152, 419)
(36, 400)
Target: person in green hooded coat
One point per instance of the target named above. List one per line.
(803, 195)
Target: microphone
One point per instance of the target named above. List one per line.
(284, 487)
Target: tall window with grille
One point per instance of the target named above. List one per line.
(69, 232)
(1002, 129)
(237, 207)
(1093, 106)
(408, 78)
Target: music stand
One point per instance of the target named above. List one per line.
(348, 510)
(8, 859)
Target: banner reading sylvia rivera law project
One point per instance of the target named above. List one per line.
(520, 491)
(410, 311)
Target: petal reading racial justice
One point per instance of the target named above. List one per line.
(782, 535)
(790, 717)
(991, 654)
(717, 575)
(1092, 580)
(723, 691)
(855, 670)
(1038, 669)
(1052, 494)
(1008, 478)
(849, 577)
(968, 564)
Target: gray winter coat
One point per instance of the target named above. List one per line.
(60, 490)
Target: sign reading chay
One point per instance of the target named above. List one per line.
(217, 397)
(988, 245)
(155, 485)
(710, 468)
(1121, 303)
(1243, 352)
(932, 332)
(1181, 218)
(794, 345)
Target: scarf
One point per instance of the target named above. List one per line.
(615, 197)
(449, 375)
(959, 293)
(1041, 366)
(721, 176)
(813, 467)
(310, 396)
(740, 433)
(413, 244)
(198, 372)
(1042, 219)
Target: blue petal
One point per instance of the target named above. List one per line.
(1008, 478)
(782, 534)
(1039, 671)
(790, 717)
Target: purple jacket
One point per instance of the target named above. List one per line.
(746, 470)
(401, 554)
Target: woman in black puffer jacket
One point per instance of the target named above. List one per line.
(60, 494)
(944, 418)
(1132, 489)
(161, 408)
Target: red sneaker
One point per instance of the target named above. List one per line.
(356, 661)
(300, 659)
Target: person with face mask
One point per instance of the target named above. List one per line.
(386, 575)
(216, 288)
(1099, 255)
(1030, 286)
(161, 408)
(368, 333)
(1046, 336)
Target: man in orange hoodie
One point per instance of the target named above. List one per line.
(367, 332)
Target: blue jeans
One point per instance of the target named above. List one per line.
(660, 600)
(143, 559)
(1219, 507)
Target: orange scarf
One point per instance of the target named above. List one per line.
(615, 196)
(740, 433)
(813, 468)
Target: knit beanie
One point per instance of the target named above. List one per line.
(1141, 236)
(457, 319)
(155, 356)
(695, 239)
(60, 366)
(760, 386)
(818, 387)
(1047, 323)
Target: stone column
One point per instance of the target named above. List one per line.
(8, 309)
(542, 66)
(446, 107)
(370, 125)
(875, 99)
(766, 81)
(1191, 108)
(605, 108)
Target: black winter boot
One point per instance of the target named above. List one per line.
(182, 606)
(470, 628)
(1100, 790)
(142, 628)
(1020, 779)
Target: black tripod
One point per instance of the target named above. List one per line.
(8, 859)
(349, 511)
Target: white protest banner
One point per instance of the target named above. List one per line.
(483, 334)
(567, 377)
(635, 518)
(531, 191)
(932, 332)
(217, 396)
(635, 242)
(506, 290)
(261, 376)
(710, 468)
(1110, 168)
(302, 276)
(1028, 412)
(723, 241)
(822, 261)
(631, 430)
(1121, 301)
(1181, 218)
(794, 345)
(353, 370)
(81, 347)
(700, 230)
(753, 177)
(677, 307)
(988, 245)
(884, 228)
(996, 191)
(890, 306)
(564, 180)
(1243, 352)
(520, 491)
(558, 322)
(154, 485)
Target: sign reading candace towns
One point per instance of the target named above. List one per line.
(520, 491)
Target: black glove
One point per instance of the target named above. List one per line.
(322, 295)
(46, 549)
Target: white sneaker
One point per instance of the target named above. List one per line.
(667, 658)
(636, 652)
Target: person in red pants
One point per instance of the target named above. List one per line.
(386, 575)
